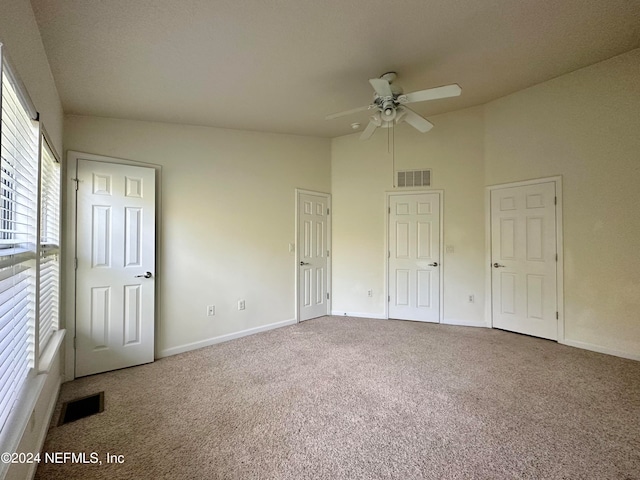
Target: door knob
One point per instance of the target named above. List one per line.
(304, 263)
(497, 265)
(434, 264)
(146, 275)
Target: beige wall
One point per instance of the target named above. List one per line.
(228, 206)
(584, 126)
(580, 126)
(361, 173)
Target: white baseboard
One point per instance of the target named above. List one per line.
(463, 323)
(340, 313)
(447, 321)
(599, 349)
(222, 338)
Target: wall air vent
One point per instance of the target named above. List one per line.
(413, 178)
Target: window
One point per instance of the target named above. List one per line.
(49, 244)
(29, 244)
(18, 222)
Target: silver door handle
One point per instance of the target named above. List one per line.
(434, 264)
(497, 265)
(304, 263)
(146, 275)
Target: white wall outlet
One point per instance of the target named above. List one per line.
(292, 247)
(241, 305)
(369, 293)
(211, 310)
(472, 299)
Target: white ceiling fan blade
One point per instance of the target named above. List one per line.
(416, 121)
(434, 93)
(369, 130)
(348, 112)
(381, 86)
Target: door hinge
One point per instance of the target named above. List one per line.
(327, 253)
(557, 316)
(77, 182)
(389, 254)
(327, 295)
(389, 298)
(75, 263)
(555, 200)
(389, 210)
(556, 257)
(327, 211)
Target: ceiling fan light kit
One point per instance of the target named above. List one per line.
(389, 103)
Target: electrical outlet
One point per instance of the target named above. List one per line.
(211, 310)
(471, 299)
(369, 293)
(241, 305)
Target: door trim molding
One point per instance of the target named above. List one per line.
(559, 248)
(69, 249)
(298, 192)
(388, 196)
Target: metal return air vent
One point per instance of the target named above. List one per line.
(81, 408)
(413, 178)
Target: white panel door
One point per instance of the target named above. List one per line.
(115, 266)
(313, 251)
(523, 258)
(414, 257)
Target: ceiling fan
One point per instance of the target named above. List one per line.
(390, 103)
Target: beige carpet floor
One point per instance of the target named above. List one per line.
(348, 398)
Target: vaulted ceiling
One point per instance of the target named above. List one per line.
(282, 65)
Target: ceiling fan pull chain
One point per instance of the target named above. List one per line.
(393, 156)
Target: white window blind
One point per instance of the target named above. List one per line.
(18, 215)
(49, 245)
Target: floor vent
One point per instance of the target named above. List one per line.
(81, 408)
(413, 178)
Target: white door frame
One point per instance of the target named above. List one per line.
(388, 196)
(70, 249)
(298, 192)
(559, 249)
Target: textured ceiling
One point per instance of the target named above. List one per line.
(282, 65)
